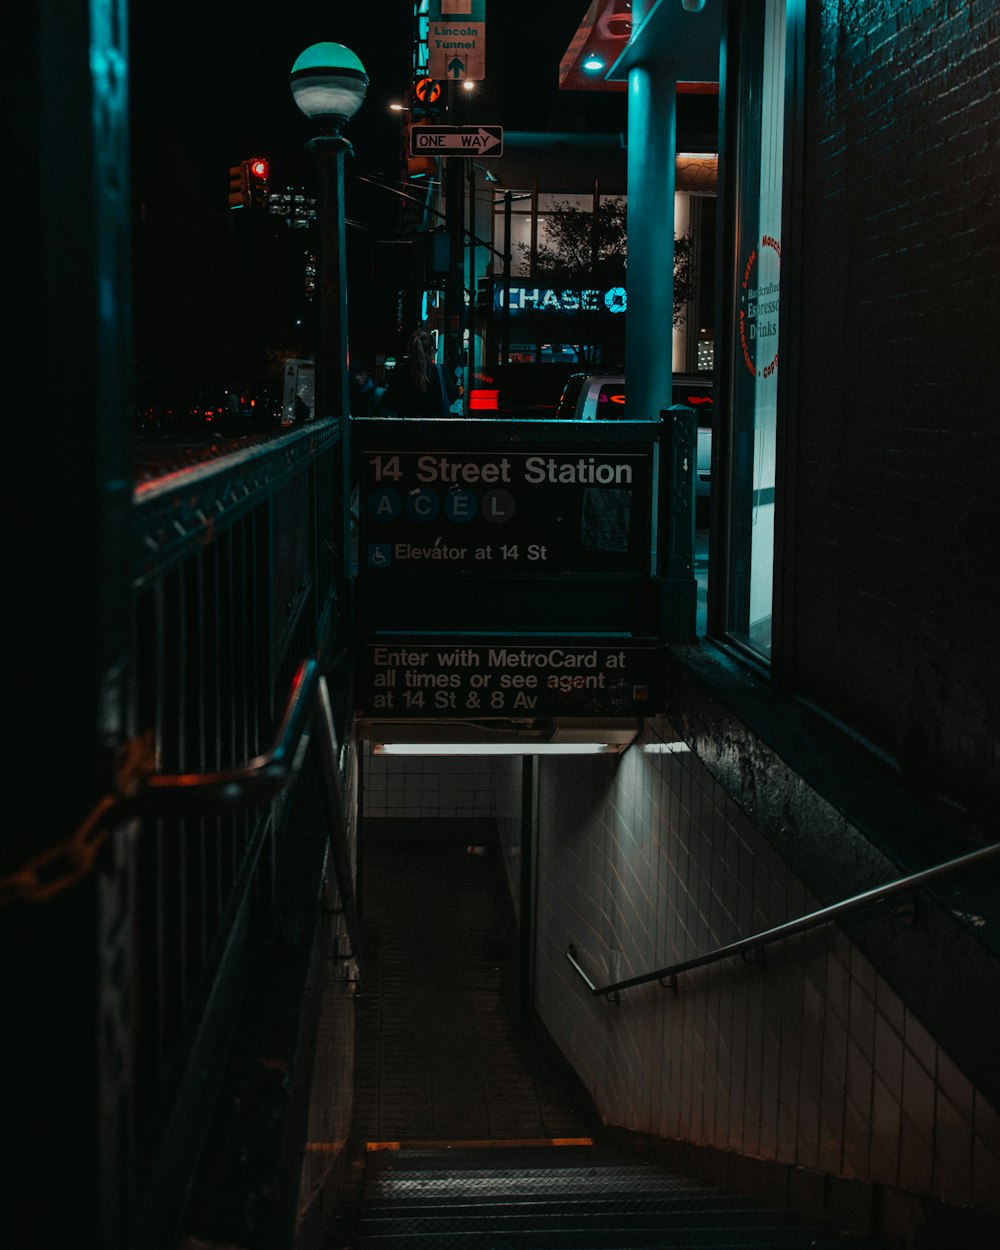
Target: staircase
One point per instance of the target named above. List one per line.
(560, 1198)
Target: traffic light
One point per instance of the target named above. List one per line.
(485, 294)
(239, 185)
(257, 180)
(248, 183)
(437, 250)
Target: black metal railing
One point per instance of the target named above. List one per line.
(237, 601)
(308, 717)
(747, 946)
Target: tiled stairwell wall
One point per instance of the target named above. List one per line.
(421, 787)
(808, 1060)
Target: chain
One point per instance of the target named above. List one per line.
(63, 865)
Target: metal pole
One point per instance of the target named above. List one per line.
(331, 304)
(675, 537)
(473, 286)
(454, 301)
(332, 399)
(508, 200)
(652, 130)
(526, 891)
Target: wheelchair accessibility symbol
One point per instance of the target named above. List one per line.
(379, 555)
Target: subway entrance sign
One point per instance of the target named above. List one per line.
(546, 511)
(519, 570)
(456, 141)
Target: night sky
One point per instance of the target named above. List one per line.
(215, 77)
(209, 88)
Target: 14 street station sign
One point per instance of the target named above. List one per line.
(456, 140)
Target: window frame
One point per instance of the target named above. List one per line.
(730, 537)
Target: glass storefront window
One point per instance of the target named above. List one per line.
(759, 164)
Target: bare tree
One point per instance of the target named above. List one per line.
(582, 250)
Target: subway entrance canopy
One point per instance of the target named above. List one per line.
(516, 579)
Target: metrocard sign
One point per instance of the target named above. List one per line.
(456, 141)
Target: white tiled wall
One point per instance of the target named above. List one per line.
(809, 1059)
(428, 786)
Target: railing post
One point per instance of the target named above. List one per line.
(675, 525)
(526, 888)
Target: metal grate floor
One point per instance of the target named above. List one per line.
(440, 1055)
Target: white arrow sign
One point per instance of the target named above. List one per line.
(456, 140)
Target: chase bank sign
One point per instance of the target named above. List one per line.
(525, 299)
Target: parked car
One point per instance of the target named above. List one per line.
(592, 397)
(520, 389)
(601, 397)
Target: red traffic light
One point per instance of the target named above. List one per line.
(258, 167)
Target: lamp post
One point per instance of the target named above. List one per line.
(454, 284)
(328, 84)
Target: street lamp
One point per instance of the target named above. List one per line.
(328, 84)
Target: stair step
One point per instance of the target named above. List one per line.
(491, 1156)
(592, 1203)
(560, 1198)
(579, 1217)
(390, 1181)
(734, 1238)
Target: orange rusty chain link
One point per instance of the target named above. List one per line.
(63, 865)
(136, 781)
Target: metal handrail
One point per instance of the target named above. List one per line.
(791, 927)
(260, 779)
(256, 780)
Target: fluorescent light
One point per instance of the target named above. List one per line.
(665, 748)
(494, 748)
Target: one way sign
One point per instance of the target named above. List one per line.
(456, 140)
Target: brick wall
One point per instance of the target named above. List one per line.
(895, 429)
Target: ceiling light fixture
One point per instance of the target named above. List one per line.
(495, 748)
